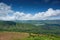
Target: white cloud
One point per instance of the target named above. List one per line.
(4, 12)
(7, 18)
(50, 14)
(4, 9)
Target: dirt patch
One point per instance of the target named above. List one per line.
(13, 35)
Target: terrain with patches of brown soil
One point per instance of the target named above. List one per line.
(13, 35)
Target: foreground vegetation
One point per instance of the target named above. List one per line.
(30, 30)
(26, 36)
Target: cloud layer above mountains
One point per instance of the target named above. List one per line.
(6, 13)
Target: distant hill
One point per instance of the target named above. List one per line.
(39, 21)
(7, 23)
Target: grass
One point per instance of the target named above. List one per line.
(42, 38)
(25, 36)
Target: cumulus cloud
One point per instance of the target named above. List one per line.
(4, 9)
(50, 14)
(4, 12)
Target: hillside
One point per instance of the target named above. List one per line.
(39, 27)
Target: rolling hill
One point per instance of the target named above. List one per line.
(32, 26)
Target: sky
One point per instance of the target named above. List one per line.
(29, 10)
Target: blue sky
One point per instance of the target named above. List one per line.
(29, 9)
(32, 6)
